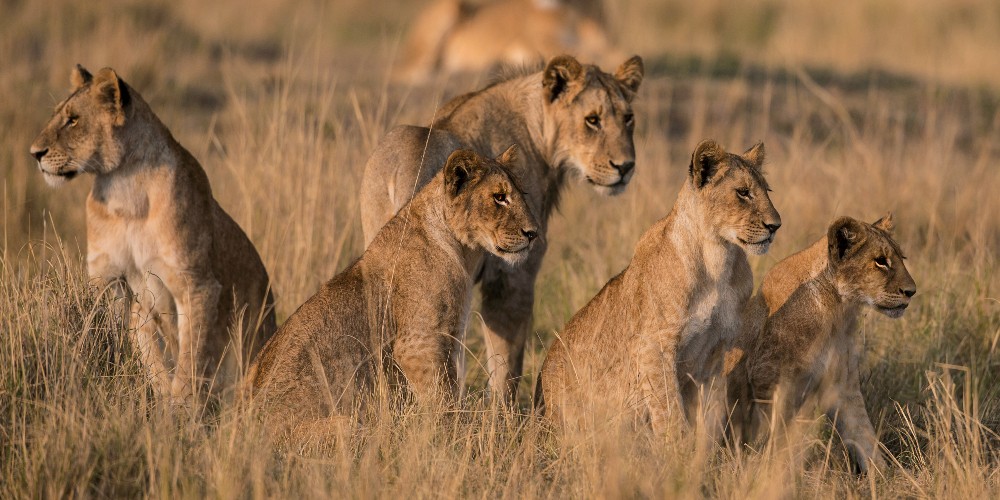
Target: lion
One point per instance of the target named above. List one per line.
(201, 303)
(653, 338)
(455, 36)
(800, 350)
(568, 118)
(406, 299)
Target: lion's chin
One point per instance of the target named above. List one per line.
(57, 180)
(512, 257)
(758, 248)
(611, 188)
(892, 312)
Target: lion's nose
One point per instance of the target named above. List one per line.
(909, 292)
(624, 168)
(773, 227)
(531, 234)
(39, 153)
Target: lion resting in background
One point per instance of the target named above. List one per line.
(202, 304)
(800, 349)
(453, 36)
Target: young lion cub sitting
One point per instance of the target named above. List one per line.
(405, 300)
(152, 222)
(667, 319)
(800, 335)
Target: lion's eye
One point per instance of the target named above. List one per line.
(743, 193)
(71, 120)
(593, 120)
(501, 199)
(882, 262)
(629, 119)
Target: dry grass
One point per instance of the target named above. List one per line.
(283, 101)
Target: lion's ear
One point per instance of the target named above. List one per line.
(560, 74)
(755, 155)
(111, 90)
(705, 162)
(630, 73)
(79, 77)
(885, 223)
(463, 166)
(509, 156)
(844, 238)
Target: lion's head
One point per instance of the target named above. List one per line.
(590, 112)
(868, 265)
(485, 205)
(733, 195)
(83, 133)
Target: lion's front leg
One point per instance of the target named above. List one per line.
(657, 364)
(851, 420)
(140, 307)
(145, 330)
(196, 294)
(508, 309)
(109, 278)
(424, 357)
(738, 404)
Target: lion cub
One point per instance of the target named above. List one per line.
(406, 300)
(152, 223)
(666, 320)
(800, 335)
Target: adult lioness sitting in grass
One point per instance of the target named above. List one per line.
(800, 349)
(198, 285)
(406, 299)
(668, 318)
(568, 118)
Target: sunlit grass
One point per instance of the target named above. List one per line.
(282, 104)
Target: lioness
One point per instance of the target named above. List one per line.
(199, 286)
(454, 36)
(406, 299)
(667, 319)
(800, 335)
(569, 117)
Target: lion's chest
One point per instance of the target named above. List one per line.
(712, 320)
(122, 240)
(830, 361)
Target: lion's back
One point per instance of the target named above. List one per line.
(404, 161)
(320, 358)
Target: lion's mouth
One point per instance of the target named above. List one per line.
(758, 247)
(761, 243)
(503, 250)
(894, 311)
(66, 174)
(622, 182)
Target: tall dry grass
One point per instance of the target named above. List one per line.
(282, 103)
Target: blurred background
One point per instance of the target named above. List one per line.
(865, 106)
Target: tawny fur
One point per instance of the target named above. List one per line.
(454, 36)
(546, 114)
(405, 302)
(201, 304)
(800, 353)
(653, 339)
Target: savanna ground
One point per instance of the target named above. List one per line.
(865, 107)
